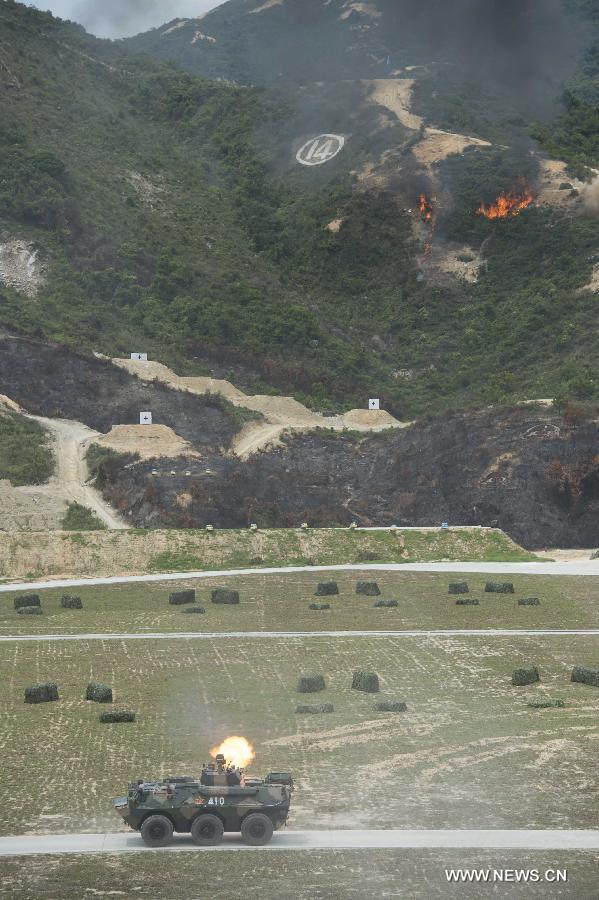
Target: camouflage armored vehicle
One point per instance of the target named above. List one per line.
(222, 799)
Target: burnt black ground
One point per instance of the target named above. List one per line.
(496, 468)
(54, 382)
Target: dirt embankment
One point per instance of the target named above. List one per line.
(524, 470)
(56, 383)
(278, 414)
(98, 554)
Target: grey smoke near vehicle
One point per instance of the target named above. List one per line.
(121, 18)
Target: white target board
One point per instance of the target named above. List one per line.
(374, 404)
(140, 357)
(320, 150)
(145, 418)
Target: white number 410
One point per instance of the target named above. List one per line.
(216, 801)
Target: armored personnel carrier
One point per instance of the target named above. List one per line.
(222, 799)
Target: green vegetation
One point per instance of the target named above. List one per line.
(282, 603)
(80, 518)
(25, 457)
(190, 694)
(171, 204)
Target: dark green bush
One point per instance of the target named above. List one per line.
(99, 693)
(112, 717)
(27, 600)
(368, 588)
(320, 606)
(546, 704)
(30, 611)
(308, 709)
(525, 675)
(499, 587)
(42, 693)
(459, 587)
(68, 602)
(529, 601)
(310, 684)
(181, 598)
(467, 601)
(221, 595)
(195, 610)
(80, 518)
(326, 589)
(391, 706)
(584, 675)
(385, 604)
(366, 681)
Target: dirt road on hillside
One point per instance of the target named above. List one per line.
(71, 475)
(36, 506)
(281, 414)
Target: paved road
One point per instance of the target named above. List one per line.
(577, 567)
(216, 635)
(467, 839)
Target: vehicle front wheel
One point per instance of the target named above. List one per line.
(207, 831)
(256, 829)
(157, 831)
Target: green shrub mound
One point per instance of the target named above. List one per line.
(385, 604)
(99, 693)
(313, 709)
(31, 611)
(230, 598)
(459, 587)
(391, 706)
(42, 693)
(256, 560)
(529, 601)
(194, 610)
(27, 600)
(499, 587)
(310, 684)
(68, 602)
(546, 704)
(366, 681)
(368, 589)
(320, 606)
(467, 601)
(584, 675)
(114, 717)
(181, 598)
(327, 589)
(525, 675)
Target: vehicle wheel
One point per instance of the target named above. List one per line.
(157, 831)
(256, 829)
(207, 831)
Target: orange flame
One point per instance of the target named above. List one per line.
(427, 213)
(237, 750)
(426, 209)
(509, 203)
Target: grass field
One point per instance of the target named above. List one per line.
(281, 875)
(28, 556)
(469, 749)
(281, 602)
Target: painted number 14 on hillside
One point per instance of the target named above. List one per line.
(320, 149)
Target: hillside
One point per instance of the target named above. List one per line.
(145, 208)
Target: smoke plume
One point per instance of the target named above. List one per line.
(590, 196)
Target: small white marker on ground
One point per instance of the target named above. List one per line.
(140, 357)
(374, 404)
(145, 418)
